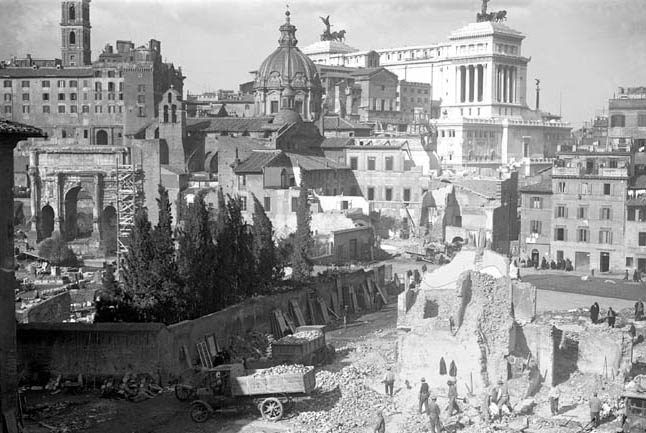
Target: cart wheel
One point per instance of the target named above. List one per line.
(183, 393)
(199, 412)
(271, 409)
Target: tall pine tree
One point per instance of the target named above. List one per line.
(303, 241)
(264, 249)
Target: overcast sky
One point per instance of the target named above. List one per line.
(582, 50)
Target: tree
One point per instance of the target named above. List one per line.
(169, 305)
(196, 260)
(56, 251)
(303, 242)
(264, 249)
(136, 262)
(114, 304)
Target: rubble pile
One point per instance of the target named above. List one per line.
(282, 369)
(300, 337)
(353, 409)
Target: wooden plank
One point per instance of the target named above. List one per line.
(323, 305)
(313, 315)
(367, 296)
(282, 324)
(298, 313)
(339, 295)
(335, 303)
(290, 322)
(205, 358)
(353, 297)
(381, 292)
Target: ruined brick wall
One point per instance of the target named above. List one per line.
(524, 301)
(603, 351)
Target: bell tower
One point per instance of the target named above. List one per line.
(75, 33)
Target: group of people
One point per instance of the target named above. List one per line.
(611, 315)
(427, 402)
(637, 276)
(495, 400)
(560, 264)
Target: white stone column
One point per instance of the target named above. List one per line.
(505, 79)
(471, 84)
(96, 209)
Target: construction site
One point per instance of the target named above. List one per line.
(315, 361)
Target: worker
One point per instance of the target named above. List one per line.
(434, 416)
(595, 409)
(453, 396)
(594, 312)
(554, 396)
(424, 393)
(503, 392)
(380, 424)
(612, 317)
(389, 381)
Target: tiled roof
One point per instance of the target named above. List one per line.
(45, 72)
(8, 127)
(230, 124)
(543, 187)
(336, 142)
(484, 187)
(313, 162)
(339, 124)
(256, 161)
(367, 71)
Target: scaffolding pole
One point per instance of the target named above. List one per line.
(129, 193)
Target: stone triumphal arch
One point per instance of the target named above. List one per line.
(76, 191)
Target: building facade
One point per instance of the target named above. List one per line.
(77, 101)
(627, 114)
(583, 216)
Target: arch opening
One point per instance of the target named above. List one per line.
(109, 227)
(101, 137)
(46, 222)
(79, 207)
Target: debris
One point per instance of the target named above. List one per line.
(282, 369)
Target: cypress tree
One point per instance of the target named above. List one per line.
(303, 241)
(137, 259)
(264, 249)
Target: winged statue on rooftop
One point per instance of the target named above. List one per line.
(497, 16)
(327, 35)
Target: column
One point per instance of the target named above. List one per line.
(514, 73)
(480, 81)
(463, 84)
(498, 81)
(504, 84)
(33, 185)
(60, 204)
(96, 210)
(471, 83)
(510, 94)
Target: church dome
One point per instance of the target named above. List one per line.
(287, 64)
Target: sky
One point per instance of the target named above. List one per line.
(581, 50)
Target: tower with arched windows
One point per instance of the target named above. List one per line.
(172, 129)
(75, 33)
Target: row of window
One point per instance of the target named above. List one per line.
(412, 100)
(619, 120)
(61, 84)
(447, 132)
(480, 134)
(419, 91)
(26, 109)
(389, 162)
(561, 211)
(388, 194)
(141, 99)
(582, 233)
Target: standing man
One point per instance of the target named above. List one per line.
(423, 395)
(434, 416)
(595, 409)
(389, 381)
(453, 396)
(554, 396)
(380, 424)
(612, 316)
(503, 391)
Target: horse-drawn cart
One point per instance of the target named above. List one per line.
(272, 391)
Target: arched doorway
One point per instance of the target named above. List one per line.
(101, 137)
(109, 226)
(46, 222)
(163, 152)
(536, 257)
(78, 214)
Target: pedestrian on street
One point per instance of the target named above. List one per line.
(626, 276)
(637, 277)
(639, 310)
(380, 424)
(434, 416)
(389, 381)
(503, 392)
(453, 396)
(595, 409)
(424, 393)
(612, 316)
(594, 312)
(554, 396)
